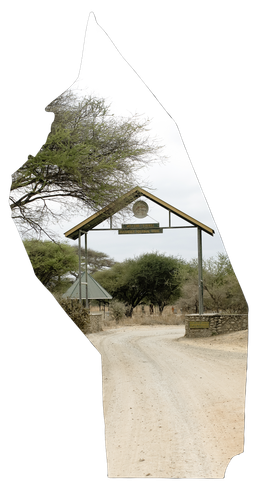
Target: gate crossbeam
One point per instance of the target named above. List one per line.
(90, 224)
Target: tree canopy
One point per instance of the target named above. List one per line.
(56, 263)
(89, 159)
(96, 261)
(51, 261)
(155, 278)
(222, 291)
(150, 278)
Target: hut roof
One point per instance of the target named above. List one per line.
(95, 290)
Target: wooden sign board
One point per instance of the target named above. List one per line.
(129, 232)
(140, 228)
(199, 324)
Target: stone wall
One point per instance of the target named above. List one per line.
(214, 324)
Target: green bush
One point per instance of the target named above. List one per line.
(78, 313)
(117, 310)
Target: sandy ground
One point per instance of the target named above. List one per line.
(173, 407)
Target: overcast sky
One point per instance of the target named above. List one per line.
(106, 73)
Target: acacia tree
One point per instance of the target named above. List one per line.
(189, 300)
(96, 261)
(222, 291)
(89, 159)
(222, 287)
(51, 261)
(55, 263)
(151, 277)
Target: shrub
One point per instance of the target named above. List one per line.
(117, 310)
(78, 313)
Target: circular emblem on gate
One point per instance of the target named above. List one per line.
(140, 209)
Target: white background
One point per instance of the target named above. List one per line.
(105, 73)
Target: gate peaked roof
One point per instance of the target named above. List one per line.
(123, 201)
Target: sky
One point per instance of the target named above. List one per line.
(173, 181)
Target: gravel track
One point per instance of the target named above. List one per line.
(173, 407)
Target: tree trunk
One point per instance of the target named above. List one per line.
(129, 311)
(161, 308)
(196, 307)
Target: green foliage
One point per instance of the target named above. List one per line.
(222, 291)
(90, 158)
(111, 279)
(221, 286)
(61, 286)
(152, 278)
(78, 313)
(96, 261)
(155, 278)
(117, 310)
(51, 261)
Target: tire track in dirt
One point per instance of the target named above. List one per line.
(171, 410)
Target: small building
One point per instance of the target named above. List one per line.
(95, 291)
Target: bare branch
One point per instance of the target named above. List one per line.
(90, 156)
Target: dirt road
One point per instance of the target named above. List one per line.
(173, 408)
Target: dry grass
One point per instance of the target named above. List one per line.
(141, 317)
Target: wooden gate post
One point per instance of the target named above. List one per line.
(200, 280)
(86, 279)
(79, 268)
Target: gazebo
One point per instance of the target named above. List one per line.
(95, 290)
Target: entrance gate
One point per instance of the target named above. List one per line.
(140, 211)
